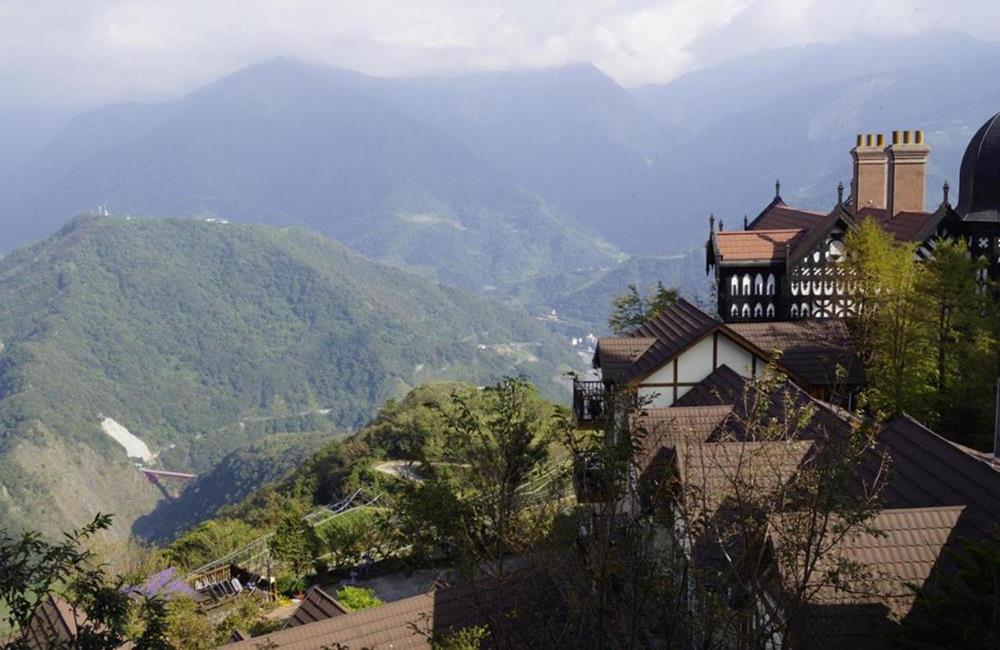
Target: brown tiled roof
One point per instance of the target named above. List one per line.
(904, 552)
(316, 606)
(820, 231)
(54, 624)
(754, 245)
(905, 226)
(668, 428)
(385, 626)
(812, 349)
(778, 216)
(927, 470)
(710, 473)
(616, 355)
(723, 386)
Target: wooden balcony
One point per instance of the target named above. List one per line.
(590, 404)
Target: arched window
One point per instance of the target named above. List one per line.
(804, 311)
(758, 284)
(758, 310)
(746, 307)
(770, 310)
(770, 284)
(746, 284)
(795, 311)
(735, 311)
(734, 285)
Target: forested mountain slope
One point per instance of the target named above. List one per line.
(200, 336)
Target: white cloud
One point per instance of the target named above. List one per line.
(109, 50)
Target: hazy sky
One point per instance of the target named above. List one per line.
(95, 51)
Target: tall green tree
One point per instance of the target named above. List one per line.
(890, 330)
(631, 309)
(956, 316)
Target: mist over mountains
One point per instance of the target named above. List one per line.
(499, 177)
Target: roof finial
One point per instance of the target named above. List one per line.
(745, 222)
(945, 189)
(840, 193)
(721, 227)
(777, 189)
(711, 223)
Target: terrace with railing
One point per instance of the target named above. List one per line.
(590, 403)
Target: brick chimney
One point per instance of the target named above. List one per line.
(868, 187)
(907, 172)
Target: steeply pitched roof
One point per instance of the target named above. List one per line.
(722, 386)
(812, 349)
(384, 626)
(668, 428)
(710, 473)
(616, 355)
(778, 216)
(927, 470)
(820, 231)
(746, 246)
(316, 606)
(678, 326)
(905, 552)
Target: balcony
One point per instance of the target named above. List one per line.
(590, 404)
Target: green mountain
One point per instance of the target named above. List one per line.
(286, 143)
(201, 336)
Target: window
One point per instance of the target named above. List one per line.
(804, 310)
(770, 310)
(770, 284)
(734, 312)
(758, 310)
(746, 284)
(746, 307)
(734, 285)
(795, 311)
(758, 284)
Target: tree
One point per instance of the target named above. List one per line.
(889, 329)
(356, 598)
(631, 309)
(33, 570)
(957, 318)
(210, 541)
(295, 544)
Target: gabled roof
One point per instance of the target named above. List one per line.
(615, 356)
(668, 428)
(812, 349)
(777, 216)
(926, 470)
(749, 246)
(905, 552)
(676, 327)
(723, 386)
(316, 606)
(385, 626)
(711, 473)
(804, 244)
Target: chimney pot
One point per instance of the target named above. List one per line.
(906, 137)
(881, 139)
(920, 137)
(868, 140)
(860, 140)
(895, 137)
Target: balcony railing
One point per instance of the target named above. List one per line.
(590, 403)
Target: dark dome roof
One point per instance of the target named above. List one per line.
(979, 189)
